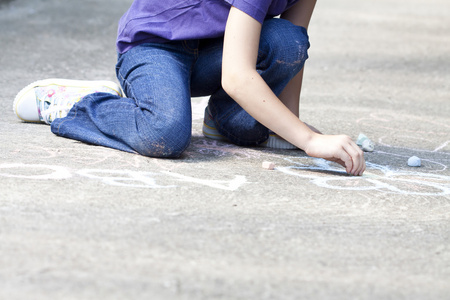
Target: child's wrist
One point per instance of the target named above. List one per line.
(305, 139)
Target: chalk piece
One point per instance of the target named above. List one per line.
(414, 161)
(268, 165)
(365, 143)
(361, 138)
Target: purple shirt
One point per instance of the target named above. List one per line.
(150, 21)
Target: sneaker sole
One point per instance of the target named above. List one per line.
(64, 82)
(276, 142)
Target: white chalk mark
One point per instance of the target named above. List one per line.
(396, 182)
(441, 146)
(443, 166)
(124, 178)
(230, 185)
(57, 172)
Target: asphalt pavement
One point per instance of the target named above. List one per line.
(86, 222)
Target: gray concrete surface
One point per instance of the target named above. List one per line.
(85, 222)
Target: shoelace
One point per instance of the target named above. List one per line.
(53, 112)
(54, 108)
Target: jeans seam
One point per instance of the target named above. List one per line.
(190, 50)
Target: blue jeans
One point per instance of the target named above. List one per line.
(159, 80)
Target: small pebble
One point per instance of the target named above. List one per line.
(268, 165)
(414, 161)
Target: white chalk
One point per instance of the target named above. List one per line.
(365, 143)
(268, 165)
(414, 161)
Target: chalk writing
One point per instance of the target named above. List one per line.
(123, 178)
(44, 171)
(377, 178)
(230, 185)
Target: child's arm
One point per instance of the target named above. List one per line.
(243, 83)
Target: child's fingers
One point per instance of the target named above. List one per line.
(346, 157)
(357, 166)
(340, 149)
(362, 162)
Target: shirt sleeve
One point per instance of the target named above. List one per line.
(256, 9)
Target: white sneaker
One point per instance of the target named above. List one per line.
(46, 100)
(276, 142)
(209, 128)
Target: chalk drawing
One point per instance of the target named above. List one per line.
(376, 178)
(442, 146)
(97, 155)
(231, 185)
(123, 178)
(435, 133)
(220, 149)
(425, 181)
(56, 172)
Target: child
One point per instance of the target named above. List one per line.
(168, 51)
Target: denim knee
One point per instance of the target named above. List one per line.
(285, 44)
(168, 140)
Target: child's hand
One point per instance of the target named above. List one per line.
(340, 149)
